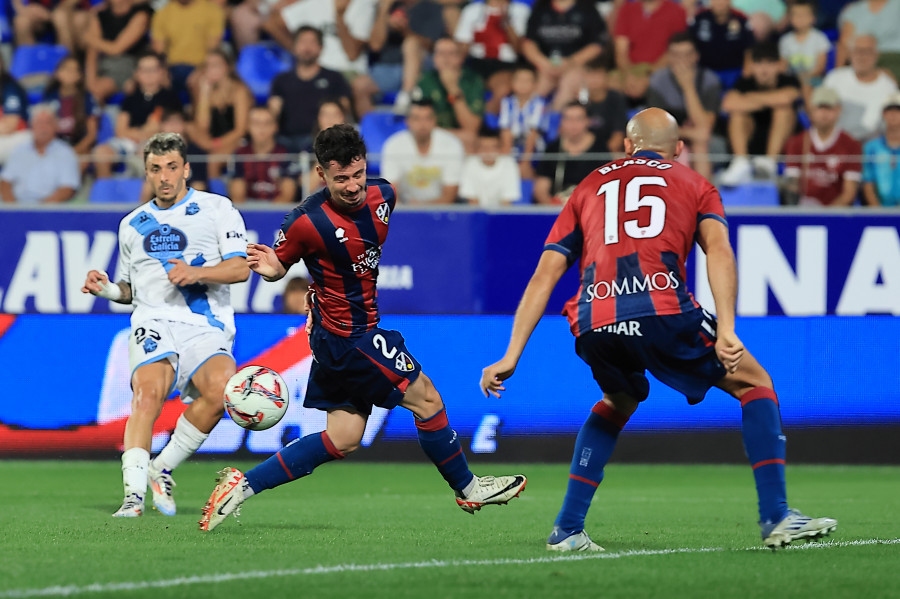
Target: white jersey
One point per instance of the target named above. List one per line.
(203, 229)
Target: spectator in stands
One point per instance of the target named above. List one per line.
(43, 170)
(692, 95)
(822, 167)
(139, 118)
(403, 36)
(13, 113)
(184, 31)
(878, 18)
(221, 108)
(606, 108)
(562, 36)
(766, 17)
(77, 114)
(490, 178)
(805, 48)
(297, 93)
(558, 176)
(521, 119)
(863, 88)
(33, 18)
(262, 168)
(293, 298)
(881, 173)
(115, 39)
(424, 161)
(330, 113)
(724, 39)
(246, 20)
(456, 92)
(642, 31)
(491, 32)
(345, 24)
(761, 116)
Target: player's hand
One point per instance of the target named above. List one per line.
(93, 282)
(493, 376)
(730, 350)
(182, 275)
(262, 260)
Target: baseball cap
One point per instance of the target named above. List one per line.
(892, 101)
(825, 96)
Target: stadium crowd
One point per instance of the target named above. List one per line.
(488, 102)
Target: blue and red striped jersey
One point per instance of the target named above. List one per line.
(341, 251)
(632, 223)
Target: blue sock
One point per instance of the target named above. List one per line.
(441, 445)
(295, 460)
(593, 448)
(765, 446)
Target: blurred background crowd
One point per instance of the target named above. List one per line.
(489, 102)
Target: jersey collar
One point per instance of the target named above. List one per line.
(647, 154)
(179, 203)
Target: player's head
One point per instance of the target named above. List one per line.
(166, 166)
(341, 156)
(308, 42)
(654, 130)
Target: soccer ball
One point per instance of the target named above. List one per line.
(256, 397)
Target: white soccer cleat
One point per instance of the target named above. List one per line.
(490, 490)
(161, 484)
(226, 498)
(132, 507)
(577, 541)
(795, 526)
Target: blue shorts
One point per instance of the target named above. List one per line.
(677, 349)
(373, 369)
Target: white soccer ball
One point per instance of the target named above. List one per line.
(256, 397)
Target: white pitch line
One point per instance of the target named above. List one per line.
(112, 587)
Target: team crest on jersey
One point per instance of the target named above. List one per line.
(383, 212)
(279, 238)
(149, 345)
(165, 242)
(341, 234)
(403, 363)
(192, 209)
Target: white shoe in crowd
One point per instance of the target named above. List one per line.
(739, 172)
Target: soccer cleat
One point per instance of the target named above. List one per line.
(491, 490)
(161, 484)
(577, 541)
(795, 526)
(132, 507)
(226, 498)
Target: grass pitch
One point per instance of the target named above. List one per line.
(394, 531)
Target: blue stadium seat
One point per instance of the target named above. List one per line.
(491, 121)
(116, 190)
(218, 186)
(757, 193)
(259, 63)
(106, 128)
(375, 128)
(33, 65)
(527, 192)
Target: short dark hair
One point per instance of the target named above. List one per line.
(423, 102)
(524, 66)
(310, 29)
(765, 51)
(600, 63)
(151, 54)
(574, 104)
(163, 143)
(812, 4)
(682, 37)
(488, 131)
(340, 143)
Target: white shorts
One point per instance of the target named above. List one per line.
(186, 346)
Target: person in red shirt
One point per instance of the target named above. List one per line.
(823, 167)
(641, 36)
(632, 223)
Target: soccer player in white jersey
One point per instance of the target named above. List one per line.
(177, 255)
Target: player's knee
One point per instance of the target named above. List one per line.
(147, 400)
(346, 444)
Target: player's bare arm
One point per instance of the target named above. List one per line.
(98, 283)
(263, 261)
(712, 236)
(550, 269)
(233, 270)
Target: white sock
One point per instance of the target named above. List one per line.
(248, 490)
(469, 487)
(184, 442)
(134, 471)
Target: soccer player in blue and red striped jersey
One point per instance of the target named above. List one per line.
(338, 232)
(632, 223)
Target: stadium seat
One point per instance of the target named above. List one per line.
(258, 64)
(218, 186)
(116, 190)
(527, 192)
(375, 128)
(106, 128)
(33, 65)
(492, 121)
(757, 193)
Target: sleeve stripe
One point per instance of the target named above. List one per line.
(556, 247)
(712, 216)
